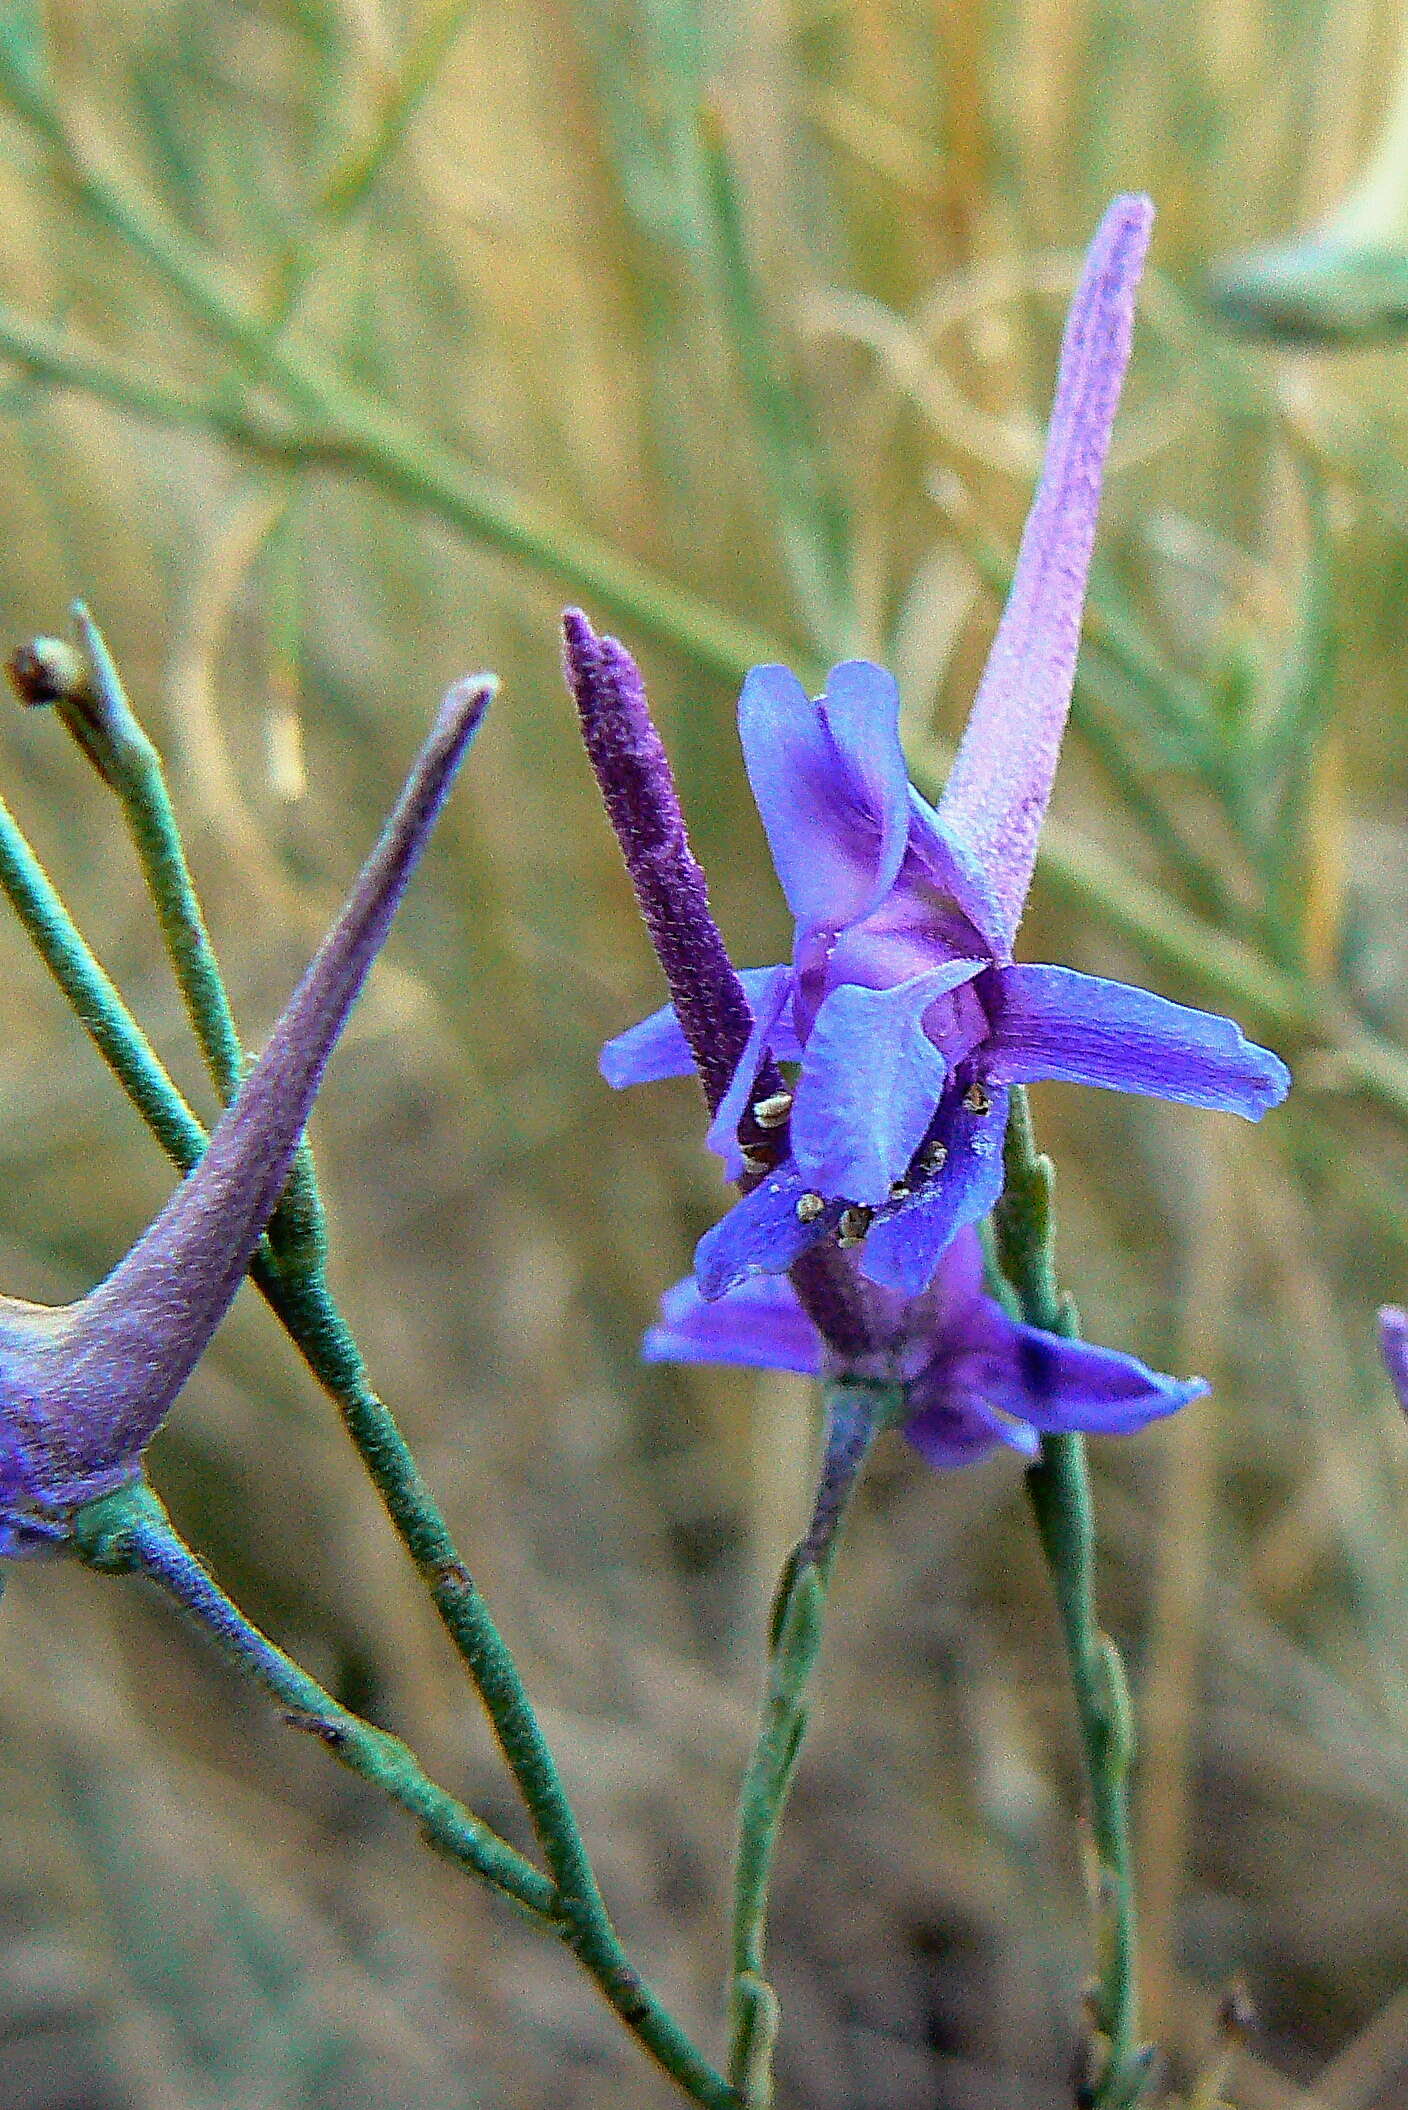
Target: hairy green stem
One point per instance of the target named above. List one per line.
(856, 1412)
(128, 760)
(1058, 1486)
(365, 434)
(130, 1531)
(289, 1271)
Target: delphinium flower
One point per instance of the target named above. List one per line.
(84, 1386)
(974, 1378)
(902, 1005)
(968, 1376)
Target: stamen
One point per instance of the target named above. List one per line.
(773, 1111)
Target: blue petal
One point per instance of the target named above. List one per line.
(949, 1432)
(903, 1251)
(870, 1084)
(770, 997)
(761, 1235)
(760, 1324)
(657, 1048)
(1049, 1383)
(831, 786)
(1052, 1022)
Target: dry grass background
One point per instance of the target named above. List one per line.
(198, 1909)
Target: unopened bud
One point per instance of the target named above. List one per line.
(47, 670)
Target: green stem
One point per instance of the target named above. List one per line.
(370, 436)
(128, 760)
(290, 1276)
(1058, 1486)
(130, 1530)
(856, 1412)
(306, 1306)
(291, 1280)
(94, 1000)
(110, 733)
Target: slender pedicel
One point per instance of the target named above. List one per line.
(85, 1386)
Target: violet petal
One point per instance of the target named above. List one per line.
(760, 1324)
(947, 1432)
(831, 785)
(1393, 1340)
(762, 1234)
(871, 1084)
(657, 1048)
(903, 1251)
(1055, 1385)
(1050, 1022)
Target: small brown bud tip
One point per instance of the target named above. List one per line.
(977, 1099)
(773, 1111)
(47, 670)
(934, 1158)
(1236, 2016)
(757, 1161)
(854, 1224)
(809, 1208)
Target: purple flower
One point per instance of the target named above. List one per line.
(1393, 1341)
(84, 1387)
(974, 1378)
(902, 1003)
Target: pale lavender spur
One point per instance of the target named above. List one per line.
(84, 1387)
(901, 1004)
(974, 1378)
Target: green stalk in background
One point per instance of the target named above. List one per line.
(290, 1272)
(130, 1532)
(856, 1412)
(1346, 282)
(1058, 1486)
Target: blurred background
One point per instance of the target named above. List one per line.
(341, 342)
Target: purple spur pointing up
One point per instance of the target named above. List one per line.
(84, 1386)
(902, 1005)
